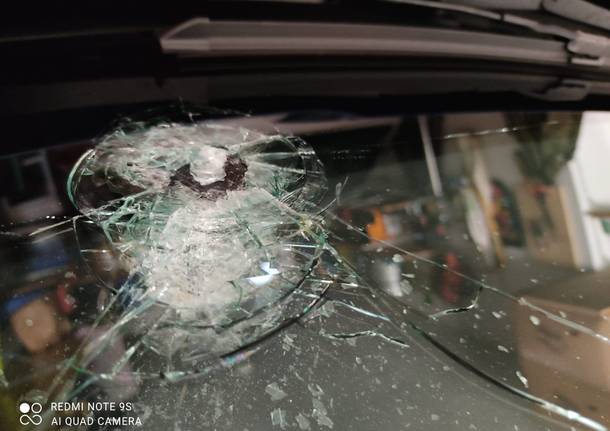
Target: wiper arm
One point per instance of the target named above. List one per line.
(581, 11)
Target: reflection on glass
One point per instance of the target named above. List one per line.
(332, 271)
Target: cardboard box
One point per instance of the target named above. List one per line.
(563, 364)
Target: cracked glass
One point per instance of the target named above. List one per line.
(205, 269)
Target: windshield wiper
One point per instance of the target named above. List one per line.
(203, 37)
(584, 48)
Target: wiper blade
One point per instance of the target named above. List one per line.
(584, 48)
(203, 37)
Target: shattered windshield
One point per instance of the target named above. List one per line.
(194, 268)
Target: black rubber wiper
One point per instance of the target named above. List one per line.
(585, 48)
(202, 37)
